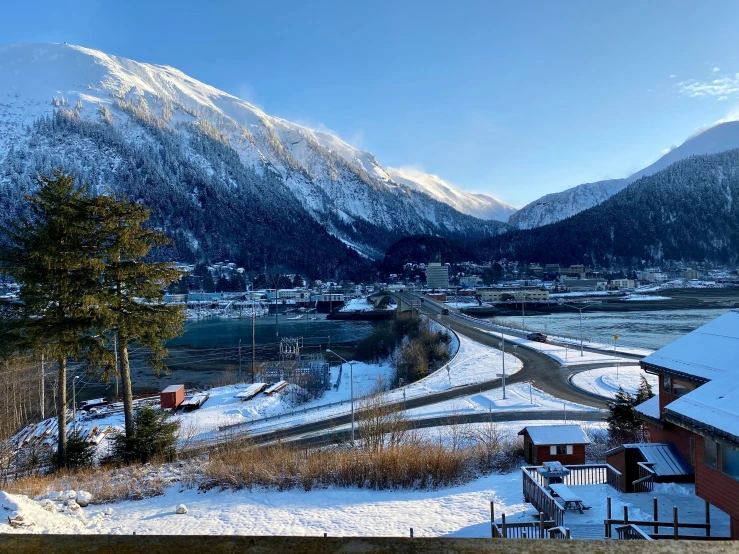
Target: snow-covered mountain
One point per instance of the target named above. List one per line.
(561, 205)
(478, 205)
(157, 113)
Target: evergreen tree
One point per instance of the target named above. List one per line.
(644, 392)
(53, 255)
(156, 435)
(134, 289)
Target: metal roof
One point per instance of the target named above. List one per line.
(555, 434)
(173, 388)
(667, 460)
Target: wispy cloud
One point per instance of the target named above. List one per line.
(722, 88)
(673, 76)
(715, 69)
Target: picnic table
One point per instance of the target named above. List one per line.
(570, 499)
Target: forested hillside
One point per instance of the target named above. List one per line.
(688, 211)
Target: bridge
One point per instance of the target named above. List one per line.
(403, 302)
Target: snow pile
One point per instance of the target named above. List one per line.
(642, 297)
(358, 305)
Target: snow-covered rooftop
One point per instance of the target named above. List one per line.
(556, 434)
(714, 405)
(709, 352)
(650, 408)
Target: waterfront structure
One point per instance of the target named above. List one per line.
(697, 408)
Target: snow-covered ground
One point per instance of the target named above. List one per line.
(360, 305)
(461, 511)
(642, 297)
(604, 381)
(519, 397)
(565, 355)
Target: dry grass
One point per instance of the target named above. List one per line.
(109, 484)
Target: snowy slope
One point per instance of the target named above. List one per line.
(478, 205)
(561, 205)
(344, 189)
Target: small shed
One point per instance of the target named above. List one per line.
(664, 459)
(171, 397)
(560, 443)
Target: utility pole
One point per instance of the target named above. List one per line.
(580, 308)
(253, 349)
(43, 401)
(240, 361)
(502, 342)
(74, 404)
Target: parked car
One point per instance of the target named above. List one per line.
(538, 337)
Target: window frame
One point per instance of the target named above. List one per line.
(706, 443)
(667, 384)
(722, 459)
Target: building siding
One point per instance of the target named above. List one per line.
(718, 489)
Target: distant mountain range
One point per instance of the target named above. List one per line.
(561, 205)
(222, 177)
(687, 211)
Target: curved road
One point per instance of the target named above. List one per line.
(542, 371)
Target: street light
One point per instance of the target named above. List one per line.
(585, 305)
(74, 404)
(351, 384)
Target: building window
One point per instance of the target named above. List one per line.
(561, 449)
(710, 453)
(730, 462)
(667, 383)
(692, 451)
(680, 388)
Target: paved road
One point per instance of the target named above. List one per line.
(335, 436)
(542, 371)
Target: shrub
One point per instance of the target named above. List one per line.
(80, 451)
(155, 437)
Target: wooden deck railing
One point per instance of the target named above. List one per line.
(631, 532)
(535, 493)
(645, 482)
(521, 530)
(558, 533)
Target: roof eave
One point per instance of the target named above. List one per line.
(699, 427)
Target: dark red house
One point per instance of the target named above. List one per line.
(697, 409)
(561, 443)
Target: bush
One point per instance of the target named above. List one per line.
(80, 451)
(155, 437)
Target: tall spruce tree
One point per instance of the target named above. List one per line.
(135, 311)
(53, 255)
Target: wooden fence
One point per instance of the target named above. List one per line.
(675, 525)
(535, 493)
(522, 530)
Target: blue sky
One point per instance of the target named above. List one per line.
(516, 99)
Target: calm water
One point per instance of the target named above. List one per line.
(646, 329)
(221, 332)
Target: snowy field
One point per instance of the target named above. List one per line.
(462, 511)
(519, 397)
(604, 381)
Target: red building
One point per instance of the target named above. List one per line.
(171, 397)
(561, 443)
(697, 409)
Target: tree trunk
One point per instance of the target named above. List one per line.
(126, 384)
(61, 413)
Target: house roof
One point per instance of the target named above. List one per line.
(173, 388)
(666, 458)
(713, 406)
(649, 408)
(709, 352)
(555, 434)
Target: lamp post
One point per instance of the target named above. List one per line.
(502, 342)
(351, 384)
(584, 306)
(74, 404)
